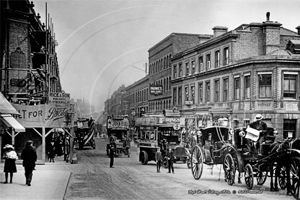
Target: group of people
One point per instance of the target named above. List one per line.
(29, 157)
(170, 157)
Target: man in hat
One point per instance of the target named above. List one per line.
(158, 158)
(261, 126)
(29, 157)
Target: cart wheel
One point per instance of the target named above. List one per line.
(249, 176)
(197, 162)
(295, 177)
(229, 169)
(188, 162)
(165, 162)
(261, 177)
(282, 178)
(144, 157)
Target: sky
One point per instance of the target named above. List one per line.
(103, 44)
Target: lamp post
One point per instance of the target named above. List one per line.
(70, 124)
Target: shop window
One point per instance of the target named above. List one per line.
(289, 128)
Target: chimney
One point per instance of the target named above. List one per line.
(219, 30)
(271, 31)
(298, 28)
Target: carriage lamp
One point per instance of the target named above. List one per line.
(242, 133)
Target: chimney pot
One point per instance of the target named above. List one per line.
(298, 28)
(268, 16)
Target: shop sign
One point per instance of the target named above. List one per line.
(291, 106)
(43, 115)
(59, 98)
(167, 120)
(156, 90)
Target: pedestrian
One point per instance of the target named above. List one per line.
(29, 157)
(170, 159)
(112, 150)
(51, 152)
(158, 158)
(10, 162)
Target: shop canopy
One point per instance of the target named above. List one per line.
(6, 107)
(12, 122)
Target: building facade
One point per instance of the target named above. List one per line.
(235, 75)
(29, 75)
(160, 67)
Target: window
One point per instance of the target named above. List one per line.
(289, 85)
(226, 56)
(247, 86)
(187, 68)
(186, 93)
(174, 96)
(201, 64)
(193, 93)
(207, 89)
(175, 71)
(265, 85)
(179, 95)
(217, 90)
(200, 92)
(193, 67)
(237, 85)
(217, 59)
(225, 89)
(207, 61)
(180, 70)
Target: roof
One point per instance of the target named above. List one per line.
(6, 107)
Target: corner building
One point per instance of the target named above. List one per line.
(237, 74)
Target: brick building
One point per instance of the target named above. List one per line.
(160, 67)
(252, 69)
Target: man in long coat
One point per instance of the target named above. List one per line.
(29, 157)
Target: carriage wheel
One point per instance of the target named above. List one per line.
(282, 178)
(295, 177)
(188, 162)
(229, 169)
(261, 177)
(197, 162)
(249, 176)
(144, 157)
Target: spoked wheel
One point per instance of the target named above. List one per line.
(197, 162)
(295, 177)
(229, 169)
(165, 162)
(249, 176)
(282, 178)
(188, 162)
(261, 177)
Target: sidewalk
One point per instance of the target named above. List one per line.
(49, 181)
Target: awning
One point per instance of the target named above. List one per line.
(12, 122)
(6, 107)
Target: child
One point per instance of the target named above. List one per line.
(10, 162)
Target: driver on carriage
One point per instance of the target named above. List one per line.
(261, 126)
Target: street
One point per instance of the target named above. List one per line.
(93, 178)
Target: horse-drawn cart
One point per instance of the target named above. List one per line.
(211, 149)
(269, 158)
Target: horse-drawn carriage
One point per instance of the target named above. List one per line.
(210, 150)
(279, 159)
